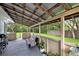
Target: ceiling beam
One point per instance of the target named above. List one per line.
(24, 9)
(5, 6)
(24, 23)
(64, 14)
(16, 5)
(19, 21)
(66, 6)
(54, 7)
(41, 8)
(16, 20)
(24, 6)
(19, 17)
(11, 12)
(34, 12)
(47, 11)
(51, 10)
(19, 14)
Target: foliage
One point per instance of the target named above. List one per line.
(72, 25)
(54, 26)
(41, 45)
(14, 27)
(44, 29)
(36, 29)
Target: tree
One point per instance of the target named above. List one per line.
(54, 26)
(72, 25)
(14, 27)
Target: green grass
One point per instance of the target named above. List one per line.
(49, 36)
(55, 37)
(18, 34)
(71, 40)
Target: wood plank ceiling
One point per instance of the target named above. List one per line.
(32, 13)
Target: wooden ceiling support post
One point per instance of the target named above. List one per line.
(62, 35)
(39, 32)
(39, 28)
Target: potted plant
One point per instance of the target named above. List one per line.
(41, 47)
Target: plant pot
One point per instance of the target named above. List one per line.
(42, 50)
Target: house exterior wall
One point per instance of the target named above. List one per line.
(1, 27)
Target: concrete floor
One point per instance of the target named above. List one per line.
(20, 48)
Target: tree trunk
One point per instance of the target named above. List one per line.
(73, 34)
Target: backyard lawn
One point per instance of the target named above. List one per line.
(18, 34)
(70, 40)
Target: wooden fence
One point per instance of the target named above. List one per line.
(51, 45)
(11, 36)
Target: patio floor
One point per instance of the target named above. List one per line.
(20, 48)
